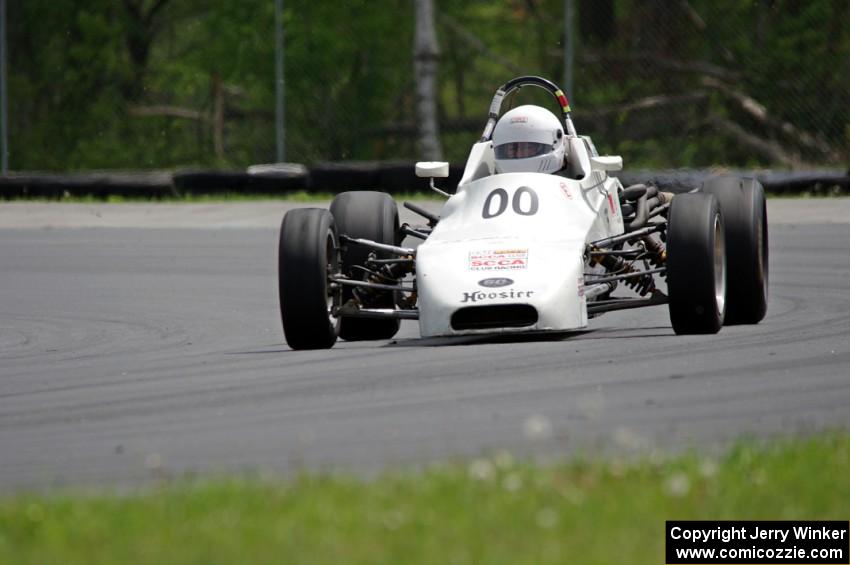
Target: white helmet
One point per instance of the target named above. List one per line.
(529, 139)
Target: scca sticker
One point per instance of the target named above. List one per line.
(498, 260)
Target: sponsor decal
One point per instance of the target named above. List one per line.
(498, 260)
(611, 204)
(519, 120)
(477, 295)
(495, 282)
(566, 190)
(581, 287)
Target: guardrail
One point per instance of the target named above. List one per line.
(392, 177)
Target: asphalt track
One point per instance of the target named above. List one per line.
(139, 351)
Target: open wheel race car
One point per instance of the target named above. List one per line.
(516, 252)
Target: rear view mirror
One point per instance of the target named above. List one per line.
(606, 163)
(432, 169)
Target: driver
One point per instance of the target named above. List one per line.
(529, 139)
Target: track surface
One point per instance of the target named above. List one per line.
(131, 354)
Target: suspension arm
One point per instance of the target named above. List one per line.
(614, 240)
(601, 306)
(627, 276)
(403, 251)
(377, 286)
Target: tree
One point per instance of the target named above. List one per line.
(141, 28)
(426, 54)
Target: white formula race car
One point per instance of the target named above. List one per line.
(524, 252)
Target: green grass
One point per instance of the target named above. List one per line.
(490, 511)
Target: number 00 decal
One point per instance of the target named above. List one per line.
(500, 195)
(516, 202)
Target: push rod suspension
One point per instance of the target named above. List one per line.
(432, 219)
(614, 240)
(379, 246)
(627, 276)
(391, 261)
(376, 286)
(406, 229)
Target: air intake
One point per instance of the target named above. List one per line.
(498, 316)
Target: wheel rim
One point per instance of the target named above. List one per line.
(719, 266)
(333, 291)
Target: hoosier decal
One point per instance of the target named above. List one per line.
(497, 295)
(498, 260)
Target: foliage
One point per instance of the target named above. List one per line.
(132, 84)
(493, 510)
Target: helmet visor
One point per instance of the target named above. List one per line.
(521, 150)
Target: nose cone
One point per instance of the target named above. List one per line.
(497, 286)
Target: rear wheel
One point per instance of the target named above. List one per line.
(308, 255)
(373, 216)
(696, 265)
(744, 209)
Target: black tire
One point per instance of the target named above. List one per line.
(744, 209)
(696, 264)
(374, 216)
(308, 252)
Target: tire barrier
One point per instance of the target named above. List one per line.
(154, 184)
(394, 177)
(815, 181)
(268, 182)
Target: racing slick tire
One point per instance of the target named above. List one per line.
(374, 216)
(307, 254)
(744, 209)
(696, 264)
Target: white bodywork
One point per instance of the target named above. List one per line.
(494, 246)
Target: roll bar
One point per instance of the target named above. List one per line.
(517, 83)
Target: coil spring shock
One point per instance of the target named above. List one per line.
(656, 253)
(385, 274)
(642, 285)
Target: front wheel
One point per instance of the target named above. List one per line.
(308, 255)
(373, 216)
(744, 210)
(696, 264)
